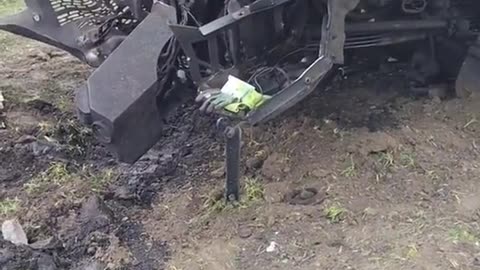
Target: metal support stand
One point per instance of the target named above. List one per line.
(331, 53)
(233, 141)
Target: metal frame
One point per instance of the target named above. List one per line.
(334, 30)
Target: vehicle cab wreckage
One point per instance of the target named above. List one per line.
(149, 54)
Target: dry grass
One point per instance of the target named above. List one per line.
(463, 235)
(59, 174)
(254, 190)
(55, 175)
(351, 168)
(335, 213)
(9, 7)
(9, 206)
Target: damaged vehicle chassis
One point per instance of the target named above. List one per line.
(150, 54)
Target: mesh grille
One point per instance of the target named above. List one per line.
(88, 12)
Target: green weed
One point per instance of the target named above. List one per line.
(9, 206)
(254, 190)
(463, 235)
(407, 160)
(9, 7)
(56, 175)
(351, 169)
(100, 180)
(386, 160)
(335, 213)
(412, 251)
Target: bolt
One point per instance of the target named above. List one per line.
(231, 197)
(36, 17)
(81, 40)
(229, 132)
(308, 80)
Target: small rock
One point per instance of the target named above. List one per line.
(24, 139)
(12, 231)
(122, 193)
(436, 100)
(373, 142)
(370, 211)
(244, 231)
(254, 163)
(41, 148)
(94, 214)
(91, 250)
(49, 243)
(272, 247)
(271, 221)
(320, 173)
(476, 262)
(438, 92)
(306, 194)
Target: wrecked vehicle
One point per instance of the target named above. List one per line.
(150, 55)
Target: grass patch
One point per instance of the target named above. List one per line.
(69, 133)
(55, 175)
(412, 251)
(471, 122)
(335, 213)
(463, 235)
(432, 175)
(351, 168)
(9, 206)
(13, 94)
(58, 95)
(407, 160)
(215, 202)
(46, 128)
(58, 174)
(254, 190)
(100, 180)
(9, 7)
(386, 160)
(75, 136)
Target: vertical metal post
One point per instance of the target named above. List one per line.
(233, 138)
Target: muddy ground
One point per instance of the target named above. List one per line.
(362, 175)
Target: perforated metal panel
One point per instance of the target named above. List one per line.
(88, 12)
